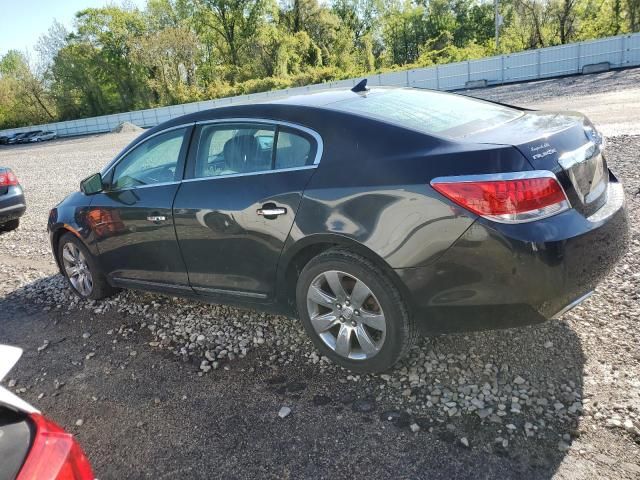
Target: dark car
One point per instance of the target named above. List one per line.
(30, 136)
(16, 137)
(371, 215)
(12, 202)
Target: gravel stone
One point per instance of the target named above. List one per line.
(284, 412)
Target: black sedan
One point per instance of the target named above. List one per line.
(12, 202)
(370, 214)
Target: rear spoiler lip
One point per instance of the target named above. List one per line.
(515, 107)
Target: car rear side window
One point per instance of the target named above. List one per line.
(428, 111)
(230, 149)
(293, 150)
(243, 148)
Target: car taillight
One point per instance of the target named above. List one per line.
(507, 198)
(54, 455)
(8, 178)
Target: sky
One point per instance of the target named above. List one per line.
(23, 21)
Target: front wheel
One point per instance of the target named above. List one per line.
(353, 313)
(81, 269)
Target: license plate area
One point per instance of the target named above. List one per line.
(587, 171)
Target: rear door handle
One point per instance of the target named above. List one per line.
(156, 218)
(272, 211)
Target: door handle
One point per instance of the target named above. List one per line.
(272, 211)
(156, 218)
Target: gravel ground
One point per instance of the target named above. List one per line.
(163, 387)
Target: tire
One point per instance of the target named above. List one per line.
(10, 225)
(97, 287)
(365, 337)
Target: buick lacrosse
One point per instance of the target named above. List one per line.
(372, 215)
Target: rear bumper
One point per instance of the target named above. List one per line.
(12, 204)
(500, 276)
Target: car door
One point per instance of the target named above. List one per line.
(132, 218)
(235, 210)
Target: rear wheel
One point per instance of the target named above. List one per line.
(353, 312)
(81, 269)
(10, 225)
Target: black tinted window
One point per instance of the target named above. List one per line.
(234, 148)
(241, 148)
(154, 161)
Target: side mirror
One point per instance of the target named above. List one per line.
(92, 185)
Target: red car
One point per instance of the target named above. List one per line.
(32, 447)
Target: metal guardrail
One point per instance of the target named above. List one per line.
(614, 52)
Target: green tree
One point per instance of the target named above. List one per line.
(24, 97)
(123, 58)
(231, 26)
(109, 30)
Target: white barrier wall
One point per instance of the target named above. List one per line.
(618, 52)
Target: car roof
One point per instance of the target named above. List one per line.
(323, 98)
(277, 107)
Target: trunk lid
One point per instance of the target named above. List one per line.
(563, 143)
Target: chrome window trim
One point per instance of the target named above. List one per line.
(138, 187)
(111, 165)
(316, 136)
(247, 174)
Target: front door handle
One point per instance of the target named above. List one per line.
(271, 211)
(156, 218)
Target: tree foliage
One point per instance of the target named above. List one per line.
(175, 51)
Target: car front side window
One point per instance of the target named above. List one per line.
(152, 162)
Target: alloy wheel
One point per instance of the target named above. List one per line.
(346, 315)
(77, 269)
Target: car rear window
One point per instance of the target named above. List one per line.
(428, 111)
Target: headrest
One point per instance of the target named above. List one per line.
(241, 152)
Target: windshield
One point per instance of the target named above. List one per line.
(428, 111)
